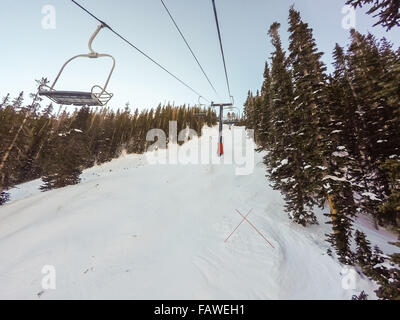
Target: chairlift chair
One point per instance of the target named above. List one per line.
(200, 114)
(98, 96)
(231, 121)
(232, 118)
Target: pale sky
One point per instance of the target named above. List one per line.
(30, 52)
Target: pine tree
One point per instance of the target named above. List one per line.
(40, 131)
(309, 112)
(388, 11)
(361, 296)
(390, 209)
(340, 142)
(363, 253)
(18, 101)
(283, 161)
(249, 110)
(257, 116)
(13, 121)
(264, 128)
(11, 144)
(4, 101)
(4, 197)
(377, 134)
(67, 153)
(373, 265)
(334, 139)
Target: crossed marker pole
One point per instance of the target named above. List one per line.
(252, 225)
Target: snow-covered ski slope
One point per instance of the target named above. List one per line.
(132, 230)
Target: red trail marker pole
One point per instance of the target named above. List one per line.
(221, 112)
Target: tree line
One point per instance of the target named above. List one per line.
(37, 142)
(334, 138)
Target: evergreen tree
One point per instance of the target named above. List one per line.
(4, 197)
(334, 139)
(362, 296)
(57, 147)
(264, 127)
(67, 153)
(309, 112)
(363, 253)
(377, 134)
(4, 101)
(249, 110)
(39, 132)
(373, 265)
(284, 161)
(340, 142)
(388, 11)
(390, 209)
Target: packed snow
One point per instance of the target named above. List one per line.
(134, 230)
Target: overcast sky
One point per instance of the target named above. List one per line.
(30, 52)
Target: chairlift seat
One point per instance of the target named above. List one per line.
(76, 98)
(230, 122)
(200, 114)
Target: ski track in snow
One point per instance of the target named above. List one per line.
(131, 230)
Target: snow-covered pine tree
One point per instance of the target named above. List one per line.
(363, 253)
(309, 113)
(340, 143)
(378, 133)
(284, 161)
(378, 267)
(390, 162)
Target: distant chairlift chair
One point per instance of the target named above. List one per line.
(232, 118)
(98, 96)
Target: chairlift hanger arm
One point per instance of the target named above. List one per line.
(92, 55)
(94, 35)
(97, 94)
(202, 104)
